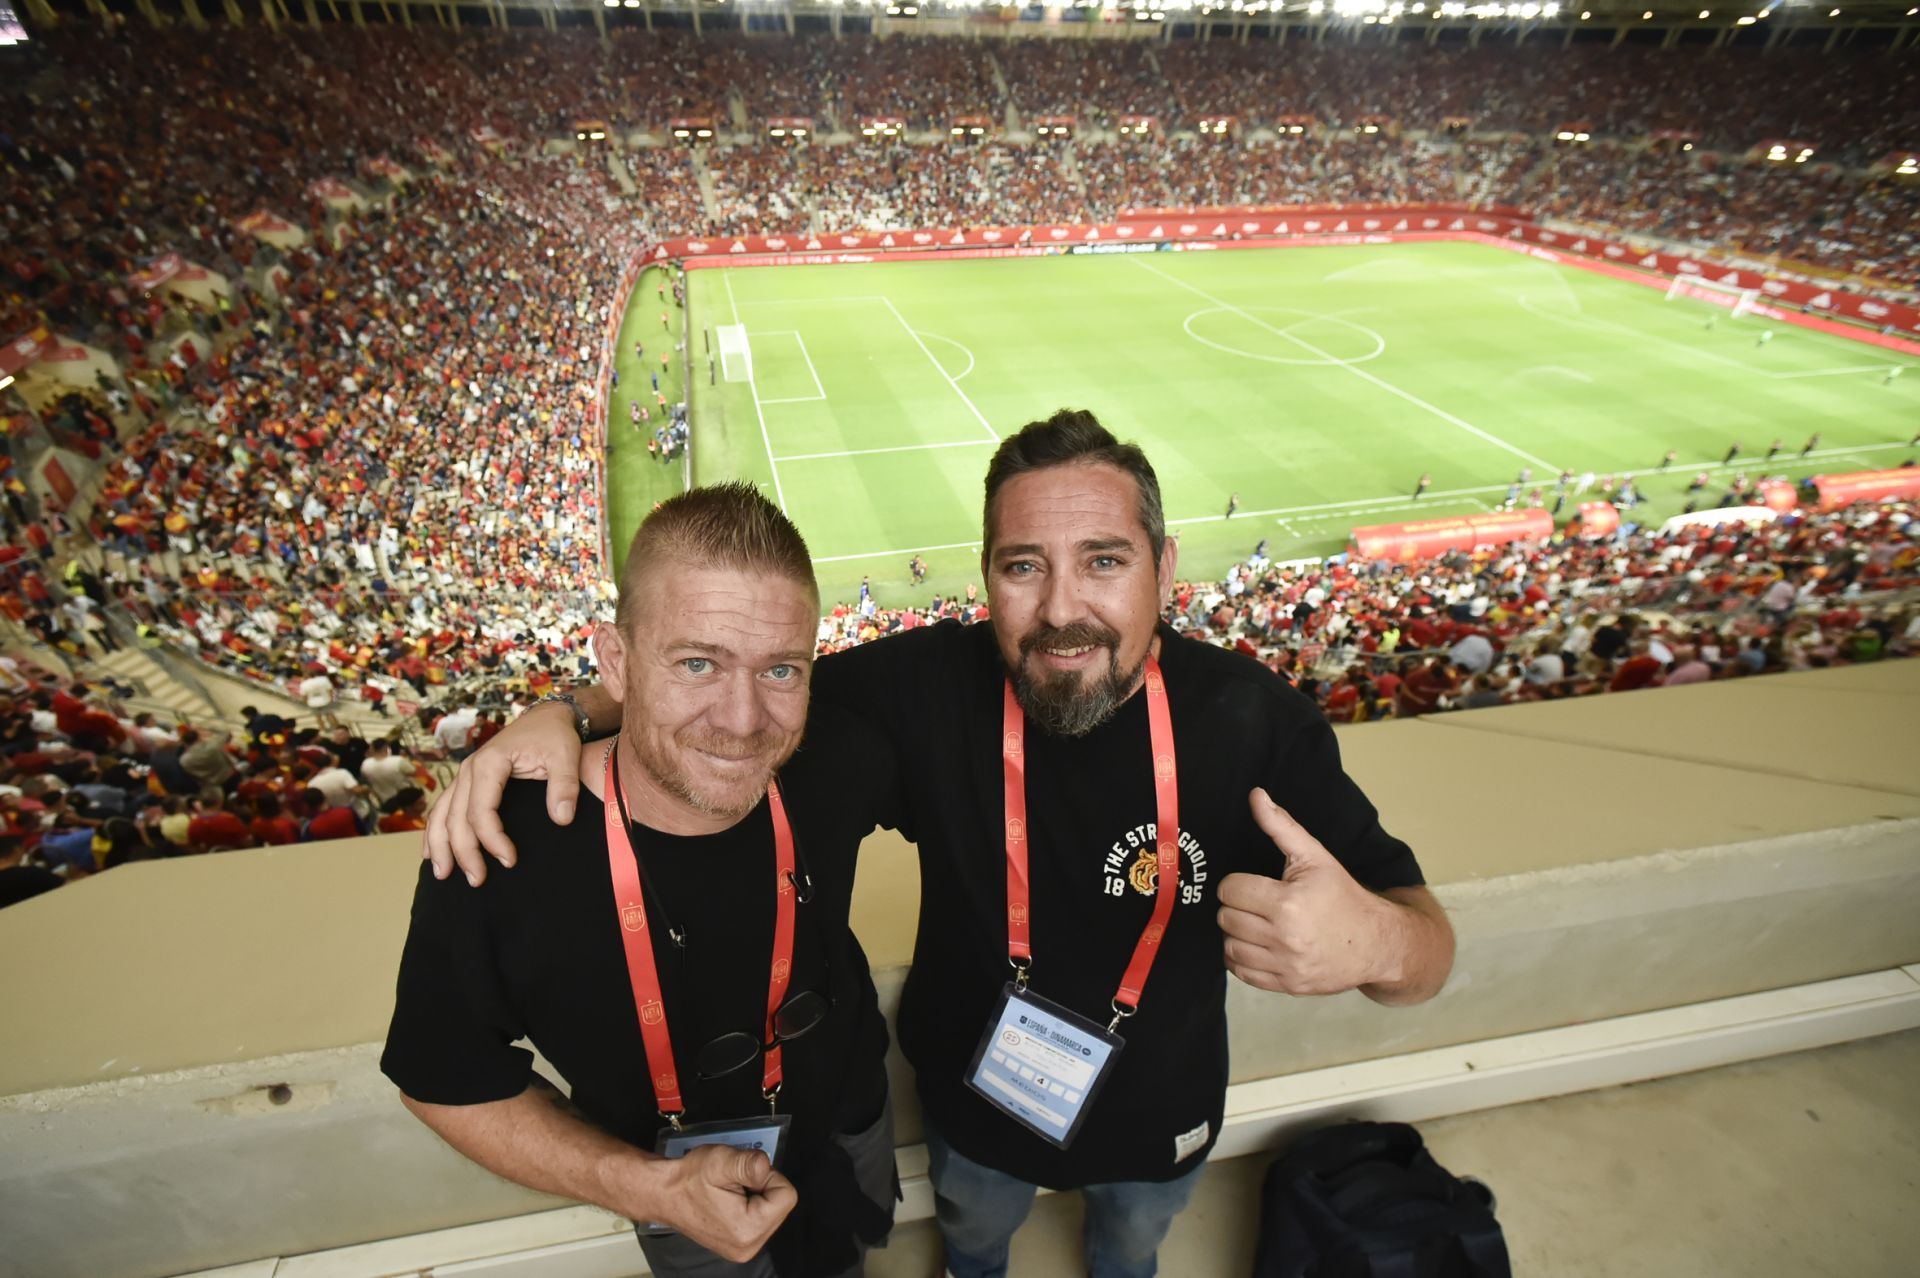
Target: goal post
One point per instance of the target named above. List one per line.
(1739, 300)
(736, 356)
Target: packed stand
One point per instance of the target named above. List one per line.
(87, 784)
(1541, 621)
(925, 80)
(1082, 79)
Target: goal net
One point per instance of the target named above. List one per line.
(736, 357)
(1736, 299)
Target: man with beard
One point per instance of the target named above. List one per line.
(1097, 805)
(682, 954)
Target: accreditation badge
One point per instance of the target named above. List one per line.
(768, 1134)
(1042, 1064)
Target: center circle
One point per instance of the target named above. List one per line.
(1312, 339)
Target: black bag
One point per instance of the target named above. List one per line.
(1366, 1200)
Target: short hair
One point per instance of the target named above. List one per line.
(1073, 436)
(730, 525)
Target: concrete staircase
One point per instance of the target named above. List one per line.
(622, 176)
(1010, 118)
(157, 689)
(703, 178)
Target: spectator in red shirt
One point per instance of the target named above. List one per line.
(329, 822)
(1641, 670)
(405, 811)
(214, 829)
(1421, 691)
(271, 826)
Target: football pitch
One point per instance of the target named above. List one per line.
(1315, 383)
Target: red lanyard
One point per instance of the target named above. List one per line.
(630, 902)
(1166, 834)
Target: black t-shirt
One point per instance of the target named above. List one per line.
(935, 694)
(535, 952)
(23, 882)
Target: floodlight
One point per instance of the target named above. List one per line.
(681, 133)
(956, 130)
(6, 381)
(1585, 14)
(1746, 21)
(976, 130)
(910, 10)
(1705, 14)
(1686, 146)
(869, 131)
(612, 4)
(799, 133)
(703, 133)
(1647, 16)
(1582, 137)
(1564, 135)
(778, 133)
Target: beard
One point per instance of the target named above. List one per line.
(666, 763)
(1072, 703)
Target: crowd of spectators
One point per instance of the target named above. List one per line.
(378, 465)
(1546, 620)
(87, 784)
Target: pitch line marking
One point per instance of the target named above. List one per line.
(971, 406)
(1379, 342)
(1384, 505)
(1583, 320)
(900, 448)
(882, 554)
(726, 277)
(821, 391)
(1357, 371)
(810, 368)
(963, 348)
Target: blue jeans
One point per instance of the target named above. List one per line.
(979, 1209)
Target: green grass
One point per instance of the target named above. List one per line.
(1317, 383)
(634, 480)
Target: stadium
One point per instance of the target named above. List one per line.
(1494, 361)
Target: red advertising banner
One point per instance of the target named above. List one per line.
(1598, 519)
(59, 481)
(260, 221)
(28, 348)
(1777, 494)
(1866, 485)
(1809, 299)
(1425, 538)
(330, 190)
(157, 272)
(1145, 229)
(1791, 301)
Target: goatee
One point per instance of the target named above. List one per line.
(1067, 703)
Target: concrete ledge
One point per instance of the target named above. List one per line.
(584, 1242)
(1602, 859)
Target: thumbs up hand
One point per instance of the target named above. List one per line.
(1314, 930)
